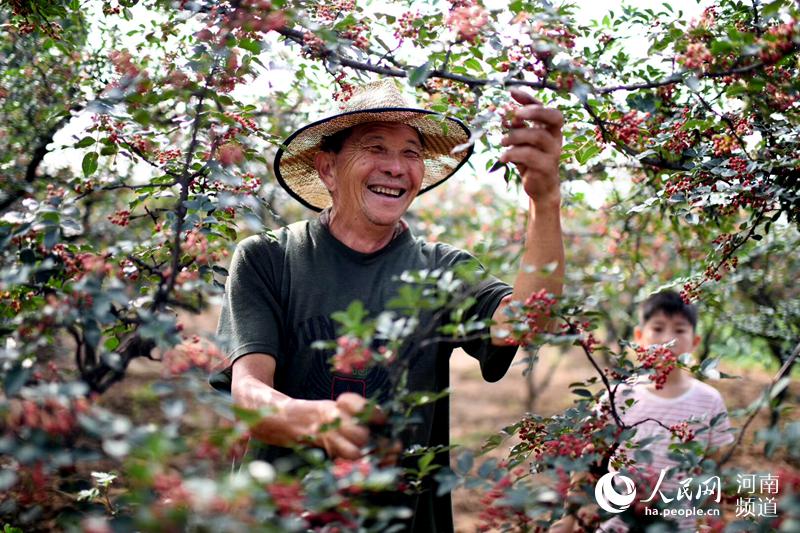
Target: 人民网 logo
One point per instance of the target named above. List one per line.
(607, 496)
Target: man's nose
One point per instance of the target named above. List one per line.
(392, 163)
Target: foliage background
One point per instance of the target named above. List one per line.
(136, 144)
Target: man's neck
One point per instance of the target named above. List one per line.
(365, 238)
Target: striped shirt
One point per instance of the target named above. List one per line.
(698, 406)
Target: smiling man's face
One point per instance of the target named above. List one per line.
(376, 175)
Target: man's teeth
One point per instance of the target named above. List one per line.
(387, 191)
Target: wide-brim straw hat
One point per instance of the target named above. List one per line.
(379, 101)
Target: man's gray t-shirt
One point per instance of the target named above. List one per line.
(281, 291)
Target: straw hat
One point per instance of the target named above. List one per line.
(379, 101)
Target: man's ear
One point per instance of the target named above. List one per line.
(323, 162)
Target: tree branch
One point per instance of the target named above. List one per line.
(37, 157)
(785, 369)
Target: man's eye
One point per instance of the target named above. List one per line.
(412, 153)
(375, 148)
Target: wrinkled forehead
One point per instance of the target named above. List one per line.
(396, 131)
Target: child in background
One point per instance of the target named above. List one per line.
(673, 401)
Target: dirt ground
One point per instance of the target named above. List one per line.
(479, 409)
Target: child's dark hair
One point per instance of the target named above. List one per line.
(670, 303)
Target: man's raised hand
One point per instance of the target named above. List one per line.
(534, 142)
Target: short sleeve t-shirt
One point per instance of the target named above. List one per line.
(700, 404)
(281, 291)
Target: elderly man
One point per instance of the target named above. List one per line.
(363, 168)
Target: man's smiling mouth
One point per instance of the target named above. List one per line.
(386, 191)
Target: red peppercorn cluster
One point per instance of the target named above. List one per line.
(455, 94)
(313, 46)
(288, 497)
(467, 21)
(680, 139)
(55, 416)
(406, 28)
(539, 305)
(328, 12)
(351, 354)
(496, 516)
(249, 18)
(659, 359)
(682, 432)
(81, 264)
(777, 42)
(192, 353)
(230, 153)
(120, 218)
(245, 124)
(122, 60)
(678, 185)
(356, 33)
(346, 89)
(627, 129)
(696, 57)
(723, 144)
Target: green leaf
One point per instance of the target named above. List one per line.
(465, 461)
(419, 74)
(15, 379)
(425, 460)
(51, 235)
(86, 141)
(474, 64)
(588, 151)
(109, 150)
(89, 164)
(772, 9)
(250, 45)
(352, 319)
(345, 23)
(251, 417)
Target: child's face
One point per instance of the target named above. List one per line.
(663, 328)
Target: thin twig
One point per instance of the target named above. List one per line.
(728, 121)
(166, 288)
(764, 397)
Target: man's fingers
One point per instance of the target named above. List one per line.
(523, 154)
(539, 138)
(351, 403)
(356, 434)
(522, 97)
(338, 446)
(550, 118)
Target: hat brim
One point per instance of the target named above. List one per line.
(294, 162)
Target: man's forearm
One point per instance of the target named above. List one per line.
(544, 247)
(288, 421)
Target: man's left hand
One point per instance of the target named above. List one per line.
(534, 142)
